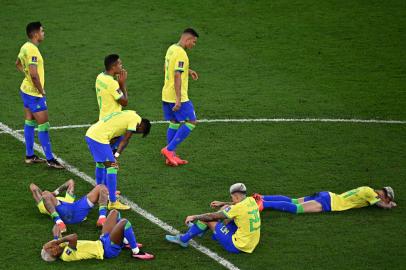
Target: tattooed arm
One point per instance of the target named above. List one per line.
(206, 217)
(69, 186)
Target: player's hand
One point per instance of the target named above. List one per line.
(189, 219)
(122, 77)
(216, 204)
(177, 106)
(193, 74)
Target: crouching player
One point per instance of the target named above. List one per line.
(240, 230)
(98, 137)
(326, 201)
(116, 233)
(65, 209)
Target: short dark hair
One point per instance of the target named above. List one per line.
(110, 60)
(147, 127)
(191, 31)
(32, 27)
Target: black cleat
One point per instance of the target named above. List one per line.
(34, 159)
(53, 163)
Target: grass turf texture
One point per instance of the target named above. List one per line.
(256, 59)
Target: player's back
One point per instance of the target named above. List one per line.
(355, 198)
(84, 250)
(108, 93)
(176, 59)
(30, 55)
(113, 125)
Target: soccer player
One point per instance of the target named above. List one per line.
(116, 232)
(327, 201)
(65, 209)
(98, 137)
(31, 63)
(240, 234)
(111, 96)
(177, 107)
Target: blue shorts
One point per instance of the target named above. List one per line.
(224, 235)
(34, 104)
(185, 113)
(101, 152)
(323, 198)
(111, 250)
(72, 213)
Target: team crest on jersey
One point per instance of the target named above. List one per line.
(181, 63)
(34, 59)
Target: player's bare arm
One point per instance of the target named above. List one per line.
(69, 186)
(122, 78)
(35, 79)
(36, 192)
(217, 204)
(123, 144)
(385, 205)
(72, 240)
(178, 91)
(194, 74)
(206, 217)
(19, 65)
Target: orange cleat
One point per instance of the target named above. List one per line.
(180, 161)
(260, 202)
(61, 226)
(170, 156)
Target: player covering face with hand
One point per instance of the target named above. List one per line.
(116, 234)
(327, 201)
(236, 227)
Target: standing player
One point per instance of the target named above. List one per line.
(115, 233)
(98, 138)
(326, 201)
(32, 92)
(241, 234)
(176, 105)
(111, 96)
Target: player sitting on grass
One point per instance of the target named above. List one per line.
(116, 234)
(98, 137)
(66, 209)
(240, 232)
(326, 201)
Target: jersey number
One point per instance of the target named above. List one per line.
(254, 220)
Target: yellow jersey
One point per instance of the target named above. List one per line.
(176, 59)
(108, 92)
(84, 250)
(356, 198)
(114, 125)
(29, 55)
(246, 216)
(68, 198)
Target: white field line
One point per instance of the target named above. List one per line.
(5, 129)
(262, 120)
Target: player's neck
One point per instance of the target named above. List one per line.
(109, 72)
(181, 44)
(35, 42)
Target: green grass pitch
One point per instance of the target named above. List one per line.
(256, 59)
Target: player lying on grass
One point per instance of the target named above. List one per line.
(236, 227)
(326, 201)
(66, 209)
(116, 234)
(98, 137)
